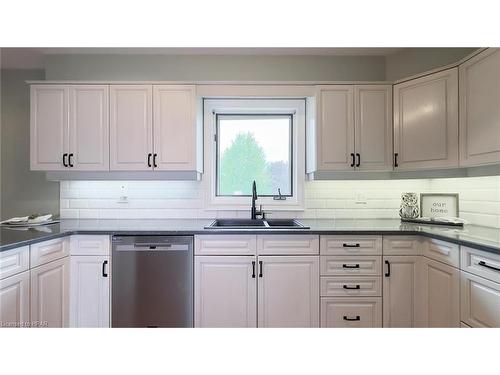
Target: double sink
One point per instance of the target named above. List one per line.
(256, 224)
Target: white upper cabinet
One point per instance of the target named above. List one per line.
(48, 127)
(480, 109)
(69, 127)
(131, 127)
(335, 128)
(89, 127)
(426, 122)
(373, 127)
(174, 121)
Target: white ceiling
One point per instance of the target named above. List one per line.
(31, 58)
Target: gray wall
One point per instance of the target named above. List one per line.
(22, 192)
(206, 68)
(417, 60)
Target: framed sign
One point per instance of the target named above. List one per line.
(438, 205)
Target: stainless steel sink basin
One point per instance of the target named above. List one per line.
(256, 224)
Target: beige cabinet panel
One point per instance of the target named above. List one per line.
(373, 127)
(479, 109)
(174, 127)
(50, 294)
(223, 244)
(440, 295)
(351, 245)
(401, 299)
(225, 291)
(363, 312)
(89, 127)
(480, 301)
(335, 130)
(131, 127)
(15, 301)
(288, 291)
(426, 121)
(48, 127)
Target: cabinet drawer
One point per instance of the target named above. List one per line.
(481, 263)
(48, 251)
(480, 301)
(344, 286)
(351, 265)
(225, 244)
(287, 244)
(442, 251)
(348, 312)
(350, 245)
(14, 261)
(89, 245)
(402, 245)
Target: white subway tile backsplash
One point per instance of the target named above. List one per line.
(479, 199)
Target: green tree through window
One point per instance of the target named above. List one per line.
(243, 162)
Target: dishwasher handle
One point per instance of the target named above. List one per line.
(152, 247)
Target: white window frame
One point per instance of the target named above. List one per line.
(294, 107)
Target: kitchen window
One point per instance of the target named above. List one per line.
(254, 139)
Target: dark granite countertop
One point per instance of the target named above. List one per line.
(484, 238)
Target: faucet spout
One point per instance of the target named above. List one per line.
(254, 198)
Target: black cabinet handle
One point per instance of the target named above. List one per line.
(64, 160)
(253, 269)
(359, 160)
(260, 268)
(483, 264)
(396, 160)
(154, 160)
(104, 273)
(353, 163)
(388, 273)
(149, 160)
(351, 287)
(69, 160)
(350, 266)
(357, 318)
(351, 245)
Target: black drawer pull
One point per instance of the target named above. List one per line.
(350, 266)
(70, 161)
(353, 163)
(351, 287)
(396, 160)
(64, 160)
(253, 269)
(351, 245)
(388, 273)
(359, 160)
(357, 318)
(104, 273)
(483, 264)
(149, 160)
(260, 268)
(154, 160)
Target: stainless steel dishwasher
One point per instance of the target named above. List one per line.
(152, 281)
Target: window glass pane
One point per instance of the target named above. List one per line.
(254, 147)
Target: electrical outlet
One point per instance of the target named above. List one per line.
(360, 198)
(123, 194)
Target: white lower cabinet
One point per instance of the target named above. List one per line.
(15, 300)
(288, 294)
(480, 301)
(89, 291)
(440, 295)
(50, 294)
(225, 291)
(401, 292)
(349, 312)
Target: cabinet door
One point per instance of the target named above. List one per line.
(373, 127)
(335, 131)
(131, 127)
(48, 127)
(89, 127)
(426, 121)
(440, 294)
(175, 128)
(288, 291)
(50, 294)
(225, 291)
(15, 300)
(401, 291)
(479, 109)
(480, 301)
(89, 291)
